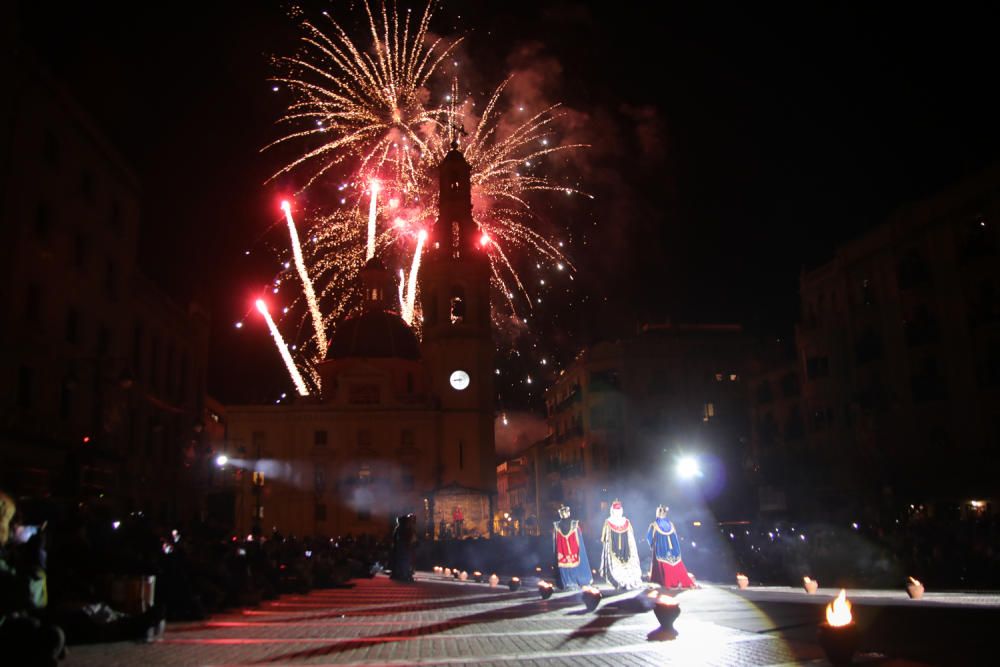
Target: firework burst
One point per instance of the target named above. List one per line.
(368, 138)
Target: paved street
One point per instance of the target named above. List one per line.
(435, 621)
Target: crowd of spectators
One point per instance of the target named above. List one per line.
(946, 551)
(74, 573)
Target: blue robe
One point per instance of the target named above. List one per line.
(572, 563)
(666, 545)
(667, 570)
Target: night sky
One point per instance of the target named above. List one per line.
(731, 146)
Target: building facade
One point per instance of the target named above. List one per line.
(898, 357)
(623, 412)
(401, 425)
(102, 377)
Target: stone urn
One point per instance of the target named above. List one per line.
(591, 597)
(810, 585)
(666, 610)
(545, 589)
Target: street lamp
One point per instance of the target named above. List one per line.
(221, 460)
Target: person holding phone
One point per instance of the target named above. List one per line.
(24, 637)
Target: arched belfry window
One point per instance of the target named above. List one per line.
(455, 239)
(457, 304)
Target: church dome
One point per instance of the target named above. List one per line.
(375, 334)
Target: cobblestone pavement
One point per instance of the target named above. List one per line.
(435, 621)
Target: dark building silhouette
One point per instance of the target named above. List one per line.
(621, 414)
(898, 360)
(102, 377)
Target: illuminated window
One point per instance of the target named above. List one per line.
(733, 377)
(709, 411)
(718, 377)
(457, 305)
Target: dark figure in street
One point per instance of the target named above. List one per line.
(404, 537)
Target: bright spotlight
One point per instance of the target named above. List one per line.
(221, 460)
(688, 468)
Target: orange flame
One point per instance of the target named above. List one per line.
(838, 612)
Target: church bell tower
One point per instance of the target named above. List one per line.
(458, 344)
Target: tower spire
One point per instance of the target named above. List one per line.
(456, 230)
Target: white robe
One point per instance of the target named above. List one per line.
(618, 572)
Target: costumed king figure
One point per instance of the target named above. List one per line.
(619, 555)
(668, 570)
(571, 554)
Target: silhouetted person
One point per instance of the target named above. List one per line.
(24, 638)
(404, 537)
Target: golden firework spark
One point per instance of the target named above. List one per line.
(363, 114)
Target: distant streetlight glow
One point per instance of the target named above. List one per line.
(221, 460)
(688, 467)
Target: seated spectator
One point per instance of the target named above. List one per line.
(25, 639)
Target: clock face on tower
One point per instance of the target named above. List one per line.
(459, 380)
